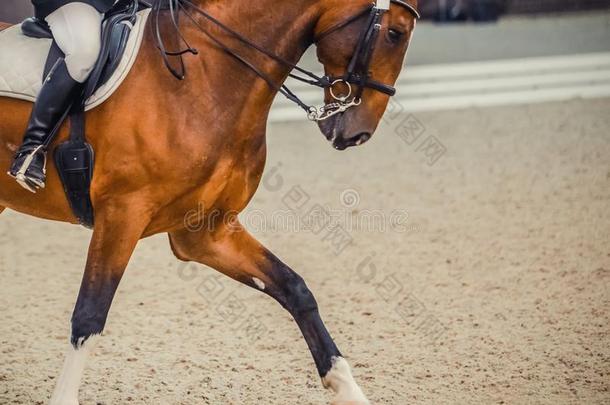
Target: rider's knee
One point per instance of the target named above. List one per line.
(81, 62)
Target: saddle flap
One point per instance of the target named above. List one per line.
(117, 38)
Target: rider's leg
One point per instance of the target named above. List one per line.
(77, 29)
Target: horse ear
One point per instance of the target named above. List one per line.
(383, 4)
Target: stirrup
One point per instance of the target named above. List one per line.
(28, 183)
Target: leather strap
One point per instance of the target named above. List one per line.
(357, 72)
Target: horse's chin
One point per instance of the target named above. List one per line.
(337, 133)
(341, 143)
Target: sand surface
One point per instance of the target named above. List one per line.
(483, 278)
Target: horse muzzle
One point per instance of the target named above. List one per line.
(338, 132)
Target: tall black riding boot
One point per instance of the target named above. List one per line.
(55, 97)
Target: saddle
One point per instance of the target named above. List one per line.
(75, 158)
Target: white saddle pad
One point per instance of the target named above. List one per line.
(22, 61)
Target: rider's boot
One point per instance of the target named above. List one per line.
(58, 91)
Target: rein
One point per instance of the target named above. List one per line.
(357, 72)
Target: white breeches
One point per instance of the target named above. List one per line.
(77, 29)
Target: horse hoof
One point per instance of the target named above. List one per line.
(62, 401)
(349, 402)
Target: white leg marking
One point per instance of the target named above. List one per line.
(259, 283)
(66, 390)
(340, 380)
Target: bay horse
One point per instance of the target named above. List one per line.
(166, 146)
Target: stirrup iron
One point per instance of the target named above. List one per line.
(31, 184)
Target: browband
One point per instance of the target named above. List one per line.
(409, 7)
(377, 5)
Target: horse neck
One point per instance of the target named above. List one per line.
(284, 28)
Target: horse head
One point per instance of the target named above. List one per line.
(362, 47)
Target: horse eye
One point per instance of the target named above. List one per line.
(394, 35)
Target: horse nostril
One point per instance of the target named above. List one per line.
(359, 139)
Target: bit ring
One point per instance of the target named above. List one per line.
(341, 99)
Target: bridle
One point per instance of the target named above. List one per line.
(357, 73)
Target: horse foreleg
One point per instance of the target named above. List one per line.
(235, 253)
(115, 236)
